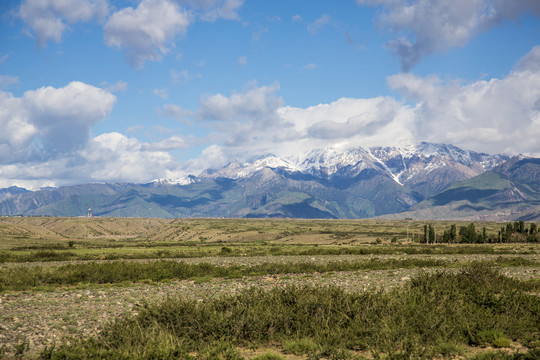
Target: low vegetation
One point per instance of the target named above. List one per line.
(433, 316)
(324, 289)
(516, 232)
(20, 278)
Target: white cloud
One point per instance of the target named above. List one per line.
(47, 122)
(175, 112)
(48, 19)
(119, 86)
(162, 93)
(531, 61)
(6, 81)
(183, 76)
(176, 76)
(145, 32)
(318, 24)
(242, 61)
(297, 18)
(109, 157)
(171, 143)
(349, 123)
(351, 118)
(258, 34)
(499, 115)
(17, 130)
(254, 103)
(255, 122)
(115, 157)
(310, 66)
(134, 128)
(211, 10)
(423, 27)
(212, 157)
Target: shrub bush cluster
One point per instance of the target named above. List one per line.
(22, 277)
(431, 316)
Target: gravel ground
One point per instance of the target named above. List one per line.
(317, 259)
(46, 318)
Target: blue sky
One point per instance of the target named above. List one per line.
(133, 90)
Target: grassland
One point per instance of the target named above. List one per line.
(69, 287)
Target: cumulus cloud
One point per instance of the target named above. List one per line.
(109, 157)
(253, 122)
(144, 33)
(212, 157)
(494, 116)
(423, 27)
(253, 103)
(499, 115)
(115, 157)
(366, 117)
(531, 61)
(350, 122)
(47, 122)
(49, 19)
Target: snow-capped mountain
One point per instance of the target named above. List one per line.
(426, 168)
(235, 170)
(186, 180)
(323, 183)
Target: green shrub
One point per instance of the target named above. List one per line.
(300, 347)
(494, 338)
(226, 250)
(423, 317)
(447, 350)
(491, 355)
(269, 356)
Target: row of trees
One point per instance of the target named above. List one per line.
(512, 232)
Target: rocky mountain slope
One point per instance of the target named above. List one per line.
(510, 191)
(324, 183)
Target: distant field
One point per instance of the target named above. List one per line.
(64, 278)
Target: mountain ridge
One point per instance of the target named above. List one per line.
(510, 191)
(327, 183)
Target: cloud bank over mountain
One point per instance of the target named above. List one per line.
(51, 127)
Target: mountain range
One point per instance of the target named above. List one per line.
(424, 181)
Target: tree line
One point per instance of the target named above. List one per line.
(516, 232)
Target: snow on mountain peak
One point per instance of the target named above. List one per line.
(270, 161)
(186, 180)
(402, 164)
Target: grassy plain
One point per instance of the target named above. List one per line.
(69, 285)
